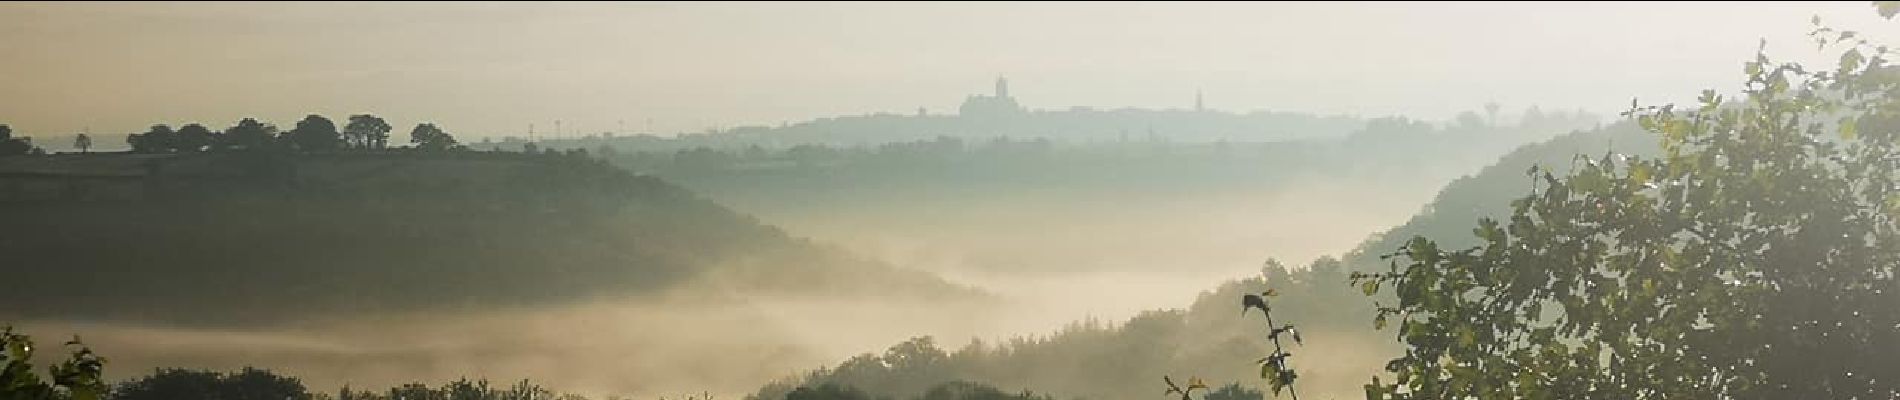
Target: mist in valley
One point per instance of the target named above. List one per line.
(937, 201)
(1036, 257)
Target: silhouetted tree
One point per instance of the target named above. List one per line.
(1533, 116)
(171, 383)
(194, 138)
(83, 143)
(314, 133)
(248, 134)
(1491, 112)
(965, 390)
(1233, 391)
(249, 384)
(428, 137)
(1468, 120)
(461, 389)
(159, 139)
(366, 131)
(252, 383)
(827, 391)
(12, 146)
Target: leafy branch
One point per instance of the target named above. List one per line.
(1273, 367)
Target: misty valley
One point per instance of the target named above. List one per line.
(1743, 243)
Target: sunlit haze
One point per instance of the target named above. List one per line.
(949, 201)
(492, 69)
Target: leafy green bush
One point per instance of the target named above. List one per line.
(1754, 258)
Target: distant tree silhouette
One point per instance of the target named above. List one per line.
(171, 383)
(194, 138)
(248, 134)
(159, 139)
(12, 146)
(1532, 116)
(965, 390)
(366, 131)
(827, 391)
(1469, 120)
(314, 133)
(951, 390)
(460, 389)
(1233, 391)
(1491, 112)
(428, 137)
(83, 143)
(249, 384)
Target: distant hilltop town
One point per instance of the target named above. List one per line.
(997, 105)
(1000, 115)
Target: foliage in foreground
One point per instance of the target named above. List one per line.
(1755, 258)
(76, 378)
(1274, 366)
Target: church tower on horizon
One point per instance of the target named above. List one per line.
(994, 106)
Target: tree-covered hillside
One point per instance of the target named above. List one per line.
(1210, 338)
(249, 236)
(1096, 360)
(1488, 193)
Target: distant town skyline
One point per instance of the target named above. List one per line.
(493, 69)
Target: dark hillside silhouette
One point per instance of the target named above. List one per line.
(177, 237)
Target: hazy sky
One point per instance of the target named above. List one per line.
(494, 68)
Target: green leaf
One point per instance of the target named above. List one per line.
(1639, 174)
(1370, 287)
(85, 393)
(1375, 390)
(1850, 61)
